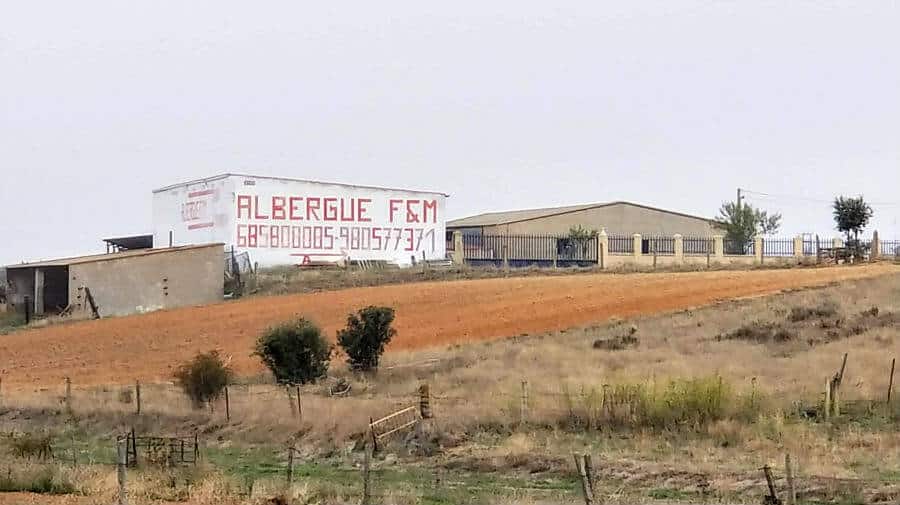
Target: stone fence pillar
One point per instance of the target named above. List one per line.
(758, 249)
(718, 247)
(602, 248)
(459, 254)
(638, 245)
(679, 248)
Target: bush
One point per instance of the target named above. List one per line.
(295, 352)
(32, 445)
(826, 308)
(42, 480)
(366, 335)
(204, 378)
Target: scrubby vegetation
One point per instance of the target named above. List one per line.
(295, 352)
(365, 337)
(203, 379)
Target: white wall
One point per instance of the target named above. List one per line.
(194, 214)
(293, 222)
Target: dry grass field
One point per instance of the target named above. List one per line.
(429, 315)
(678, 407)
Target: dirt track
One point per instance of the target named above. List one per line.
(148, 347)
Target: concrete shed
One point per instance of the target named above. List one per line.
(120, 283)
(618, 218)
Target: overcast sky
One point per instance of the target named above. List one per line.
(505, 104)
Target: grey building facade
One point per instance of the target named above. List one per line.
(120, 283)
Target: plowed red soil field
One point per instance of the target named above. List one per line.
(149, 346)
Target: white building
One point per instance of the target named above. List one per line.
(292, 221)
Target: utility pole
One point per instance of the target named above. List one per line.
(739, 200)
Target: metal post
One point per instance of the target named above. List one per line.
(299, 407)
(137, 394)
(121, 462)
(227, 405)
(891, 380)
(134, 446)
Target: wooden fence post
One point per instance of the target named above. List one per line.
(290, 466)
(835, 400)
(789, 472)
(68, 395)
(891, 380)
(827, 400)
(524, 407)
(374, 437)
(137, 395)
(367, 486)
(582, 474)
(291, 402)
(121, 452)
(425, 401)
(589, 470)
(772, 498)
(227, 405)
(196, 447)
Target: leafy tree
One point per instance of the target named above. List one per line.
(366, 335)
(579, 237)
(295, 352)
(581, 233)
(742, 223)
(203, 379)
(851, 215)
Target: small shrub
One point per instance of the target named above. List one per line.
(295, 352)
(32, 445)
(204, 378)
(41, 480)
(824, 309)
(759, 332)
(366, 335)
(126, 396)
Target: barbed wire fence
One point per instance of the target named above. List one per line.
(527, 406)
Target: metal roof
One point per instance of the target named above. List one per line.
(249, 176)
(94, 258)
(129, 242)
(516, 216)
